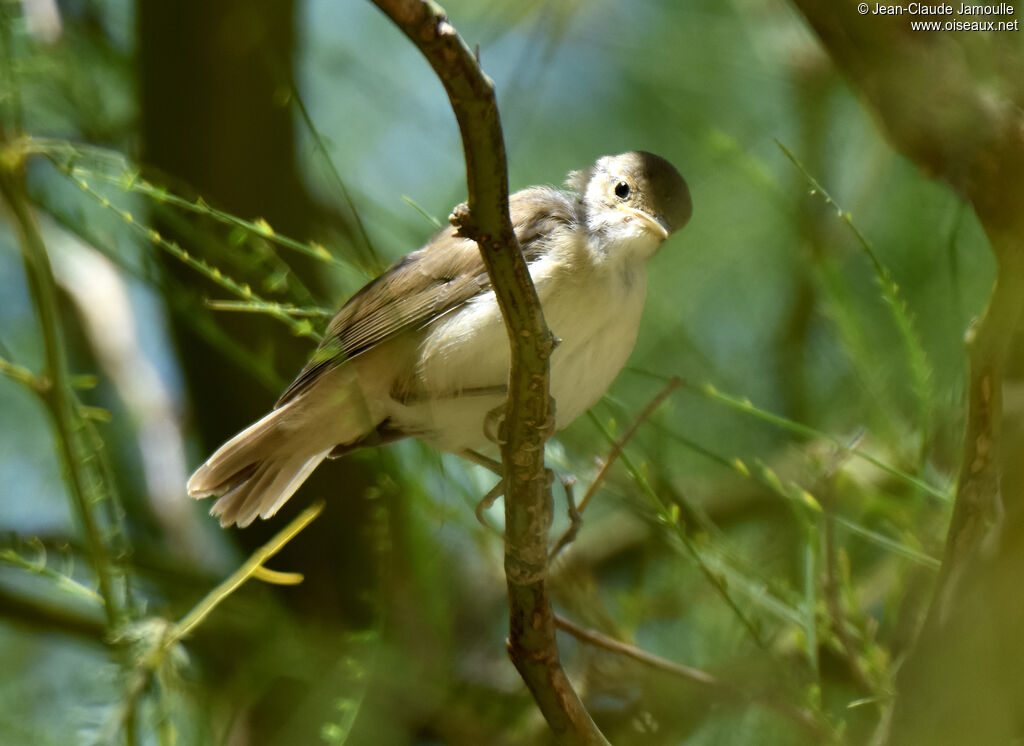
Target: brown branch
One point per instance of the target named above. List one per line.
(599, 640)
(800, 716)
(529, 414)
(977, 514)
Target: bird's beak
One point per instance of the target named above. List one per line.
(656, 224)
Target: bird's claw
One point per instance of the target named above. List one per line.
(494, 426)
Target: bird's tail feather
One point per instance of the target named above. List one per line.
(269, 487)
(256, 471)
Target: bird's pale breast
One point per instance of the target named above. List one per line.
(464, 358)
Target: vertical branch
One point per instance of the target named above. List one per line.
(944, 103)
(529, 414)
(928, 94)
(57, 393)
(978, 511)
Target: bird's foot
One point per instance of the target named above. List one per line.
(486, 503)
(494, 425)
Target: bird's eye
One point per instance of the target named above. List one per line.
(622, 190)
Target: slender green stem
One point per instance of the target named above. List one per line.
(253, 567)
(22, 375)
(670, 518)
(429, 218)
(269, 308)
(372, 258)
(66, 157)
(62, 581)
(302, 328)
(811, 561)
(896, 547)
(58, 396)
(747, 407)
(767, 478)
(917, 359)
(8, 12)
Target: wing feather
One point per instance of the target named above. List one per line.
(447, 272)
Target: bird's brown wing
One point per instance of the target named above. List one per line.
(427, 283)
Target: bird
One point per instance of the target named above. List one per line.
(421, 351)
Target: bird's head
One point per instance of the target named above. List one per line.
(636, 198)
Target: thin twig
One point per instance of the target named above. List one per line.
(673, 383)
(670, 517)
(616, 450)
(298, 327)
(66, 156)
(804, 431)
(599, 640)
(372, 258)
(268, 307)
(157, 637)
(917, 360)
(837, 616)
(804, 718)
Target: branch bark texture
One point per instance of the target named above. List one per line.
(529, 414)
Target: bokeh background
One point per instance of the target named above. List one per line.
(778, 521)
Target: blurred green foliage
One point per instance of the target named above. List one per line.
(779, 528)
